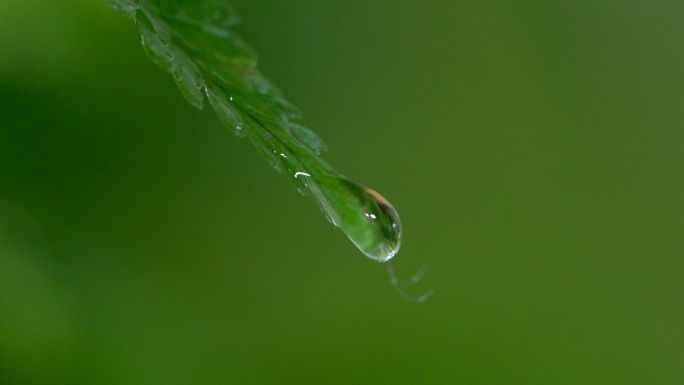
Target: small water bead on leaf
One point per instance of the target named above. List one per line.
(226, 110)
(188, 78)
(290, 164)
(277, 149)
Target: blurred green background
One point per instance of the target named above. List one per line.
(534, 151)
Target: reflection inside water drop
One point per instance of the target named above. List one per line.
(386, 225)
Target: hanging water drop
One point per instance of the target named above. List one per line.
(380, 237)
(365, 216)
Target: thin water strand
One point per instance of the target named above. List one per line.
(401, 285)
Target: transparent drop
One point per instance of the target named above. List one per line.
(365, 216)
(226, 110)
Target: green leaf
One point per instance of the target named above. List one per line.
(192, 40)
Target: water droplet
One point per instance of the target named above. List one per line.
(365, 216)
(226, 110)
